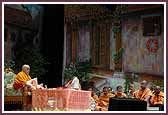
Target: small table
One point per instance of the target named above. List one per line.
(127, 104)
(60, 100)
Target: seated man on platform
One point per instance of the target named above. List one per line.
(104, 100)
(157, 98)
(23, 79)
(120, 93)
(143, 93)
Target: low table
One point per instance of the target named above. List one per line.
(127, 104)
(60, 100)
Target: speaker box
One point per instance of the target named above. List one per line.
(127, 104)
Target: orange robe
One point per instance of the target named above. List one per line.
(95, 97)
(104, 102)
(142, 94)
(21, 79)
(157, 99)
(120, 95)
(132, 94)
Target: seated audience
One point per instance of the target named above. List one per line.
(119, 93)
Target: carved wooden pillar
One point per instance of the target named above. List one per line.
(108, 44)
(25, 98)
(118, 43)
(118, 65)
(74, 41)
(117, 34)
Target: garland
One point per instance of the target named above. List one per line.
(152, 45)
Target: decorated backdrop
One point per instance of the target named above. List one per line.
(141, 53)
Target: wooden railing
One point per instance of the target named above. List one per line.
(24, 100)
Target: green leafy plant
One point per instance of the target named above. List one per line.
(9, 64)
(127, 82)
(78, 69)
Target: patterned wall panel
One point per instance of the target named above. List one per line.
(136, 56)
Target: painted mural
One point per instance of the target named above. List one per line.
(16, 35)
(23, 35)
(33, 9)
(142, 54)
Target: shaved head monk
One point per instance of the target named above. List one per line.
(23, 79)
(119, 93)
(157, 97)
(144, 93)
(104, 100)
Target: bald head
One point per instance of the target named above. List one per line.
(131, 86)
(157, 89)
(143, 84)
(26, 69)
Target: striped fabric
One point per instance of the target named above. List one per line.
(60, 100)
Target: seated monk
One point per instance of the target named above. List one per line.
(94, 100)
(143, 93)
(23, 79)
(158, 97)
(111, 90)
(104, 100)
(120, 93)
(131, 91)
(93, 95)
(152, 88)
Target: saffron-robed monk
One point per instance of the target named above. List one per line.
(157, 97)
(144, 93)
(104, 99)
(22, 77)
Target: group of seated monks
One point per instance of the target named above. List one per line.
(153, 98)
